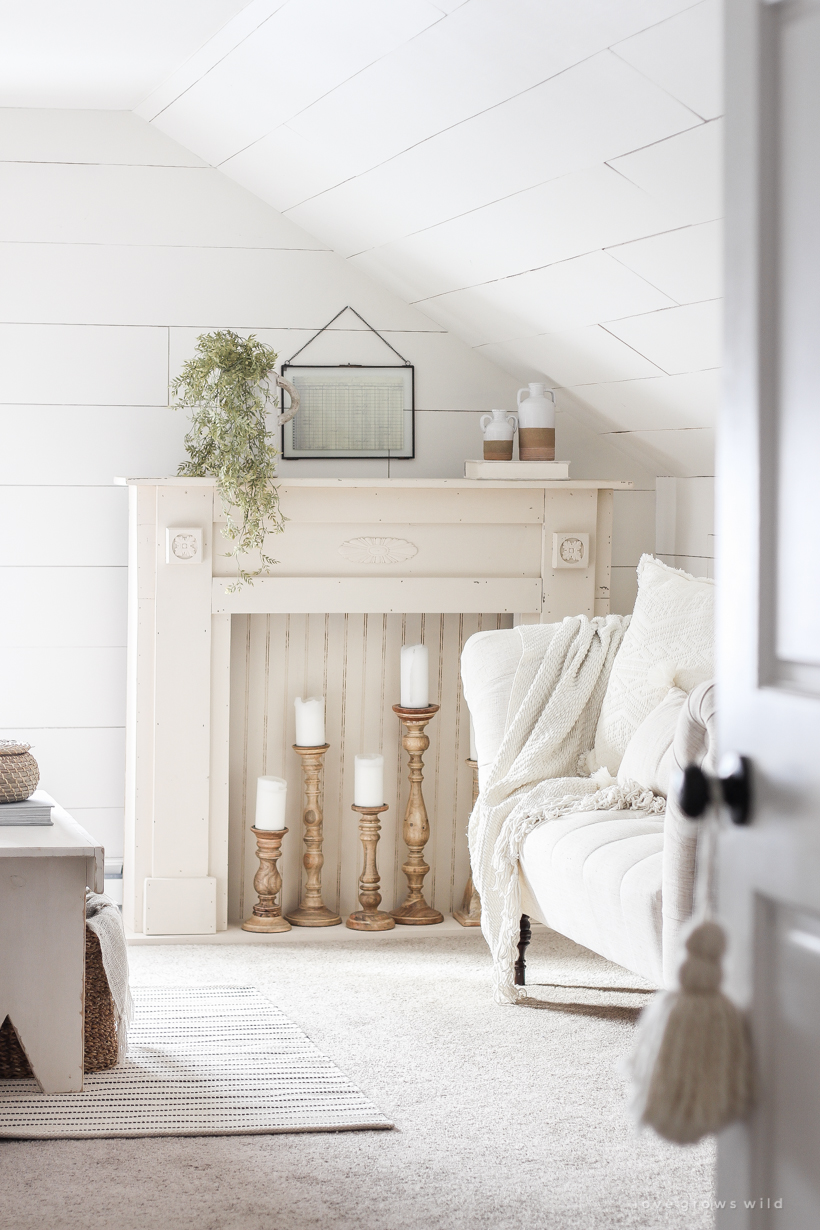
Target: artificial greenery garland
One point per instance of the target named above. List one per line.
(227, 386)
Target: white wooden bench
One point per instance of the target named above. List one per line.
(44, 872)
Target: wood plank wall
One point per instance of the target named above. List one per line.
(353, 660)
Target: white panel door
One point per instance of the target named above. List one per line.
(768, 539)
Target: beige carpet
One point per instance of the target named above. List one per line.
(507, 1118)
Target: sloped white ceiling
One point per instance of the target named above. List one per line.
(99, 53)
(542, 177)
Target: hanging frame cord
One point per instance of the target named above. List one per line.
(348, 308)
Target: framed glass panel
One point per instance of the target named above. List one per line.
(350, 411)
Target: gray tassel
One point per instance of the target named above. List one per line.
(691, 1066)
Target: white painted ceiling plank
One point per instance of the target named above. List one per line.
(553, 222)
(684, 171)
(678, 339)
(571, 293)
(659, 403)
(92, 53)
(684, 55)
(593, 112)
(212, 52)
(484, 53)
(577, 356)
(300, 54)
(686, 264)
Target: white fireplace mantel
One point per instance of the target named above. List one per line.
(349, 545)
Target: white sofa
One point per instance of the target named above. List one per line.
(619, 882)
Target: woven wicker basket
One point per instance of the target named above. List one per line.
(19, 773)
(100, 1037)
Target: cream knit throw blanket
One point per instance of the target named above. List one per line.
(105, 920)
(551, 719)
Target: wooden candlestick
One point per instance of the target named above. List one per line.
(414, 911)
(312, 911)
(470, 913)
(370, 917)
(267, 915)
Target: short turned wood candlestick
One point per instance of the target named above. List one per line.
(370, 917)
(414, 910)
(267, 915)
(470, 913)
(312, 911)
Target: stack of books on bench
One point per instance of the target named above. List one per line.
(30, 811)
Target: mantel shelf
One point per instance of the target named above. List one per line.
(467, 484)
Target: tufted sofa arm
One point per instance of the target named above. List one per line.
(695, 743)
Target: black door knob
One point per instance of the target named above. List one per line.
(734, 786)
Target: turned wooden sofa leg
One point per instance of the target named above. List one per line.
(525, 935)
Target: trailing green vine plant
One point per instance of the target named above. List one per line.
(227, 386)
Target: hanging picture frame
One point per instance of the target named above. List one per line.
(350, 410)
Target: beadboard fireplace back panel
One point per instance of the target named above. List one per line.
(352, 660)
(364, 566)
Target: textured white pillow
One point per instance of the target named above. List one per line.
(673, 621)
(648, 757)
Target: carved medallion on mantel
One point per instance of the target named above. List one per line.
(378, 550)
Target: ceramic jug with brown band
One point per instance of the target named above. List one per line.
(536, 424)
(499, 429)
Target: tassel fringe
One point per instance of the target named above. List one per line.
(691, 1068)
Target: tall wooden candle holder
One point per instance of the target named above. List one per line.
(470, 913)
(267, 915)
(415, 911)
(312, 911)
(370, 917)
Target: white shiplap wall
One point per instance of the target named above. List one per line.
(119, 248)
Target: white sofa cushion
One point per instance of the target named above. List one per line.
(648, 758)
(596, 878)
(489, 661)
(673, 622)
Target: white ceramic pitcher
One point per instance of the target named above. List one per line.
(536, 424)
(499, 429)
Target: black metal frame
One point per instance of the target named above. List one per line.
(384, 455)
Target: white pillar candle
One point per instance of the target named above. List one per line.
(310, 721)
(368, 780)
(415, 686)
(271, 797)
(473, 752)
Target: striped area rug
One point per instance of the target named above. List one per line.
(202, 1061)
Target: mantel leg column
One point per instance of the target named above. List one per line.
(415, 911)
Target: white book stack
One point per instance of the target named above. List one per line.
(30, 811)
(533, 471)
